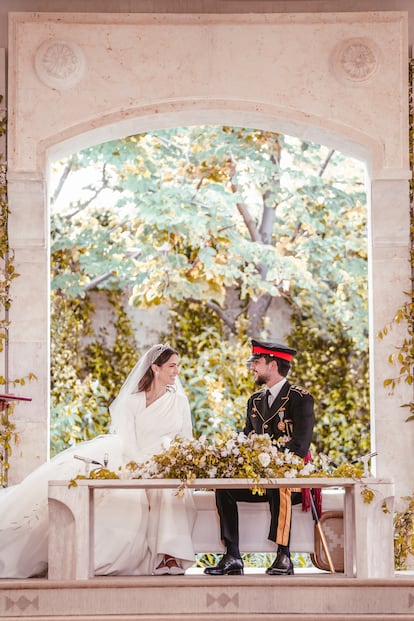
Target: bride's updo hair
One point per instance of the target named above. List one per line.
(165, 354)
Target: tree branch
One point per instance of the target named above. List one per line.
(100, 279)
(65, 174)
(218, 310)
(326, 162)
(249, 222)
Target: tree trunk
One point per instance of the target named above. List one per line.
(257, 310)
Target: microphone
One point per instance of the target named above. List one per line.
(326, 461)
(365, 459)
(88, 460)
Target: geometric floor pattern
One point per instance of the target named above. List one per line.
(251, 597)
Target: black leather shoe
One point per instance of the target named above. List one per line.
(228, 565)
(281, 566)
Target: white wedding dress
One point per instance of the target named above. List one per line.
(132, 528)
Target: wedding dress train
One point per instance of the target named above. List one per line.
(121, 517)
(134, 529)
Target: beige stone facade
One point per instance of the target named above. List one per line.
(338, 77)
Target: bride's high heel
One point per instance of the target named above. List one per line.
(174, 566)
(168, 565)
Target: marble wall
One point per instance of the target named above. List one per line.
(336, 78)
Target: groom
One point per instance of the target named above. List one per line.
(285, 412)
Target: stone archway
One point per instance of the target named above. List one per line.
(78, 79)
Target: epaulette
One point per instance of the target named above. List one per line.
(302, 391)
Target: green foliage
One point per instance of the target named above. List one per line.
(404, 533)
(337, 374)
(86, 374)
(403, 358)
(110, 365)
(252, 559)
(213, 369)
(218, 382)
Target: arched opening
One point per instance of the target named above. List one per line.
(233, 145)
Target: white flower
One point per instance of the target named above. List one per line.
(291, 474)
(264, 459)
(307, 469)
(234, 456)
(124, 474)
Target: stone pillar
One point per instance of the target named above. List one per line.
(29, 321)
(392, 437)
(3, 159)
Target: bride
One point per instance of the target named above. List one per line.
(136, 531)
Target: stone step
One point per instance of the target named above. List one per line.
(196, 597)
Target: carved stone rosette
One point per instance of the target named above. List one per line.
(59, 64)
(355, 60)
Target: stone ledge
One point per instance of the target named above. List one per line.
(198, 597)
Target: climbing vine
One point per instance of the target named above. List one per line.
(8, 434)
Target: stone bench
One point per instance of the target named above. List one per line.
(254, 522)
(367, 528)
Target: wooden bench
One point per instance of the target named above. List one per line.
(368, 529)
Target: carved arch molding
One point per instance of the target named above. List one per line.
(79, 79)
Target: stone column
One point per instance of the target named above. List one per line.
(29, 321)
(390, 273)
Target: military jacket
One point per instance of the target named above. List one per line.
(289, 420)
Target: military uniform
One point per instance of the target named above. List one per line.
(289, 420)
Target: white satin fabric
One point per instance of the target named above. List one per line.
(146, 431)
(132, 528)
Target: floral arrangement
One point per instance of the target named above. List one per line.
(254, 457)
